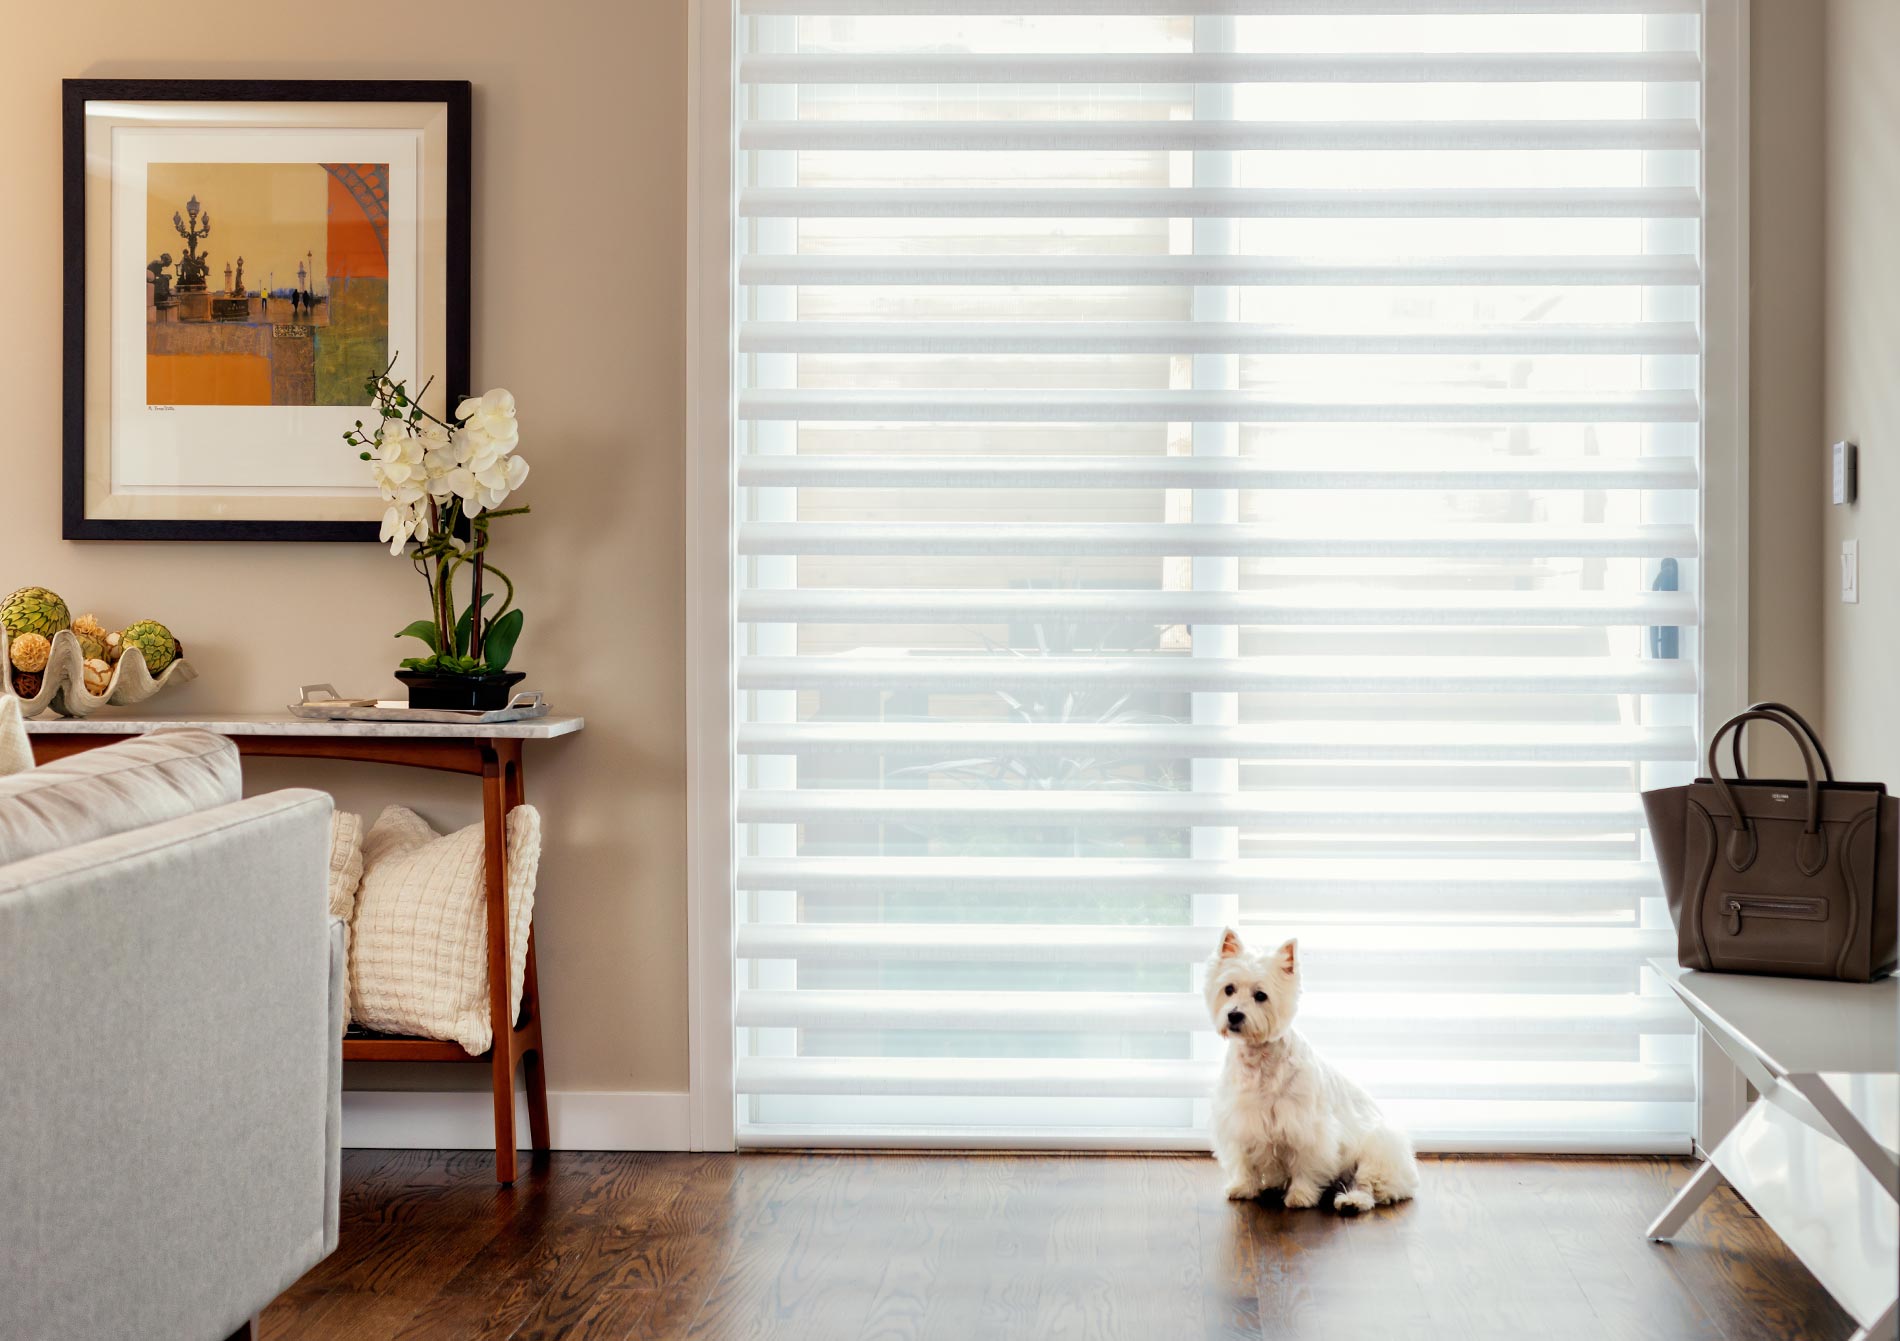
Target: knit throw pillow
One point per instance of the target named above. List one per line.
(346, 863)
(16, 751)
(419, 952)
(346, 873)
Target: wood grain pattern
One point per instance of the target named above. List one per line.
(1045, 1247)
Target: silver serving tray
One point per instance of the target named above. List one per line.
(321, 702)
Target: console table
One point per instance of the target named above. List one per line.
(1817, 1154)
(489, 751)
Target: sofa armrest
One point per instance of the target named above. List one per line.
(172, 1057)
(333, 1107)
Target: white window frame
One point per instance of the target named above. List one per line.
(711, 701)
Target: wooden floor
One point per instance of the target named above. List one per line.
(970, 1248)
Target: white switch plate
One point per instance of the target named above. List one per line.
(1850, 572)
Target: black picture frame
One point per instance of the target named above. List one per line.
(455, 95)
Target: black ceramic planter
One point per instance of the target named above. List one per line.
(459, 693)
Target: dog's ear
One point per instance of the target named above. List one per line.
(1229, 944)
(1288, 955)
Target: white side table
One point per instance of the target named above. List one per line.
(1817, 1154)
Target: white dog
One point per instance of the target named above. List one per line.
(1284, 1117)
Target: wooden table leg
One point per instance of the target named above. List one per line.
(501, 1054)
(534, 1071)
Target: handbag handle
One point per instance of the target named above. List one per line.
(1743, 844)
(1814, 739)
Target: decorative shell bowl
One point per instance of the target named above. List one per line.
(63, 682)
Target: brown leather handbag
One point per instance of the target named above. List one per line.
(1797, 879)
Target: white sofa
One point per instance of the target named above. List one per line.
(171, 998)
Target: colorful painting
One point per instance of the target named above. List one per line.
(269, 283)
(241, 257)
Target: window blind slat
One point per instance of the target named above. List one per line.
(1554, 1135)
(1324, 1015)
(1568, 1081)
(1282, 675)
(1305, 891)
(1079, 135)
(923, 605)
(1188, 472)
(1038, 202)
(1017, 942)
(1123, 407)
(1555, 881)
(1273, 8)
(1247, 270)
(1221, 67)
(1385, 740)
(1174, 337)
(1360, 812)
(1495, 541)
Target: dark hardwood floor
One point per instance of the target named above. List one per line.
(970, 1248)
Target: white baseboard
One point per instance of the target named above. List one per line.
(464, 1120)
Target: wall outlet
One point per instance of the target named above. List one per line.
(1850, 572)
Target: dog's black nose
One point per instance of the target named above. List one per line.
(1235, 1019)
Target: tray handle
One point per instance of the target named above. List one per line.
(305, 691)
(523, 698)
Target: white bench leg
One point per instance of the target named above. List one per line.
(1881, 1328)
(1693, 1194)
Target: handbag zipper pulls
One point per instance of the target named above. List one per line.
(1734, 917)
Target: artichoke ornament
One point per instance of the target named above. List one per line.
(34, 610)
(154, 640)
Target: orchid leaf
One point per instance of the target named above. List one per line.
(499, 646)
(468, 618)
(423, 629)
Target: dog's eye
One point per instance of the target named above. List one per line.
(1259, 996)
(1230, 989)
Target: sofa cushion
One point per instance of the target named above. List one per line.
(115, 789)
(346, 863)
(346, 873)
(16, 751)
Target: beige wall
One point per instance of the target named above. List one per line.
(1862, 642)
(1785, 376)
(579, 164)
(579, 306)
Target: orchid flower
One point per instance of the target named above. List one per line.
(433, 475)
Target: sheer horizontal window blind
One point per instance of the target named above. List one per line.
(1220, 462)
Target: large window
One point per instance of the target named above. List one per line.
(1235, 464)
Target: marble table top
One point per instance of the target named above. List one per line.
(285, 724)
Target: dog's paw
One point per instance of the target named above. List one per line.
(1353, 1199)
(1300, 1196)
(1241, 1190)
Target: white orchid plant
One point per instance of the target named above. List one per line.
(445, 481)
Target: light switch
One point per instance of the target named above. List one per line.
(1850, 572)
(1846, 472)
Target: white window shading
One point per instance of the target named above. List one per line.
(1229, 463)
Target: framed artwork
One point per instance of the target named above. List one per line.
(240, 256)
